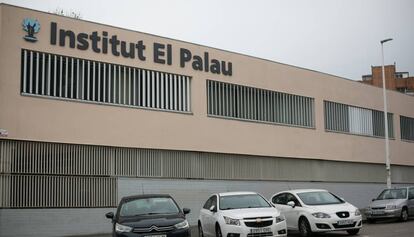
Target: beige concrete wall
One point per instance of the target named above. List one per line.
(40, 119)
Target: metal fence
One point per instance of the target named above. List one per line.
(36, 191)
(44, 174)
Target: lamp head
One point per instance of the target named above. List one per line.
(386, 40)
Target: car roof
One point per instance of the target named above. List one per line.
(296, 191)
(235, 193)
(146, 196)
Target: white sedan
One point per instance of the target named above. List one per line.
(316, 210)
(240, 214)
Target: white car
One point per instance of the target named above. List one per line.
(240, 214)
(317, 210)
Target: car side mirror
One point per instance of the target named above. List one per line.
(213, 208)
(291, 203)
(186, 211)
(110, 215)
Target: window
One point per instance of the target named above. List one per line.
(284, 198)
(411, 193)
(367, 78)
(58, 76)
(214, 202)
(210, 202)
(280, 199)
(290, 197)
(254, 104)
(400, 75)
(355, 120)
(407, 128)
(402, 89)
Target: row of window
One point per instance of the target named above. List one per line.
(355, 120)
(65, 77)
(242, 102)
(85, 80)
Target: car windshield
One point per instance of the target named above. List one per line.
(319, 198)
(242, 201)
(398, 193)
(148, 206)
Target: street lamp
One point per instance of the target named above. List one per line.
(387, 146)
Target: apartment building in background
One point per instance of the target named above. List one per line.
(399, 81)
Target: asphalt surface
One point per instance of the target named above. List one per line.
(386, 228)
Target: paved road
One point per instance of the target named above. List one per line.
(388, 228)
(380, 229)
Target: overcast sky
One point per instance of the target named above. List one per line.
(331, 36)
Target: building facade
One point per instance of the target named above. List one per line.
(90, 113)
(399, 81)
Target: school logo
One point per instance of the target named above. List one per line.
(31, 26)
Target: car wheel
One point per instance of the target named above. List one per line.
(353, 231)
(200, 230)
(218, 231)
(404, 214)
(304, 228)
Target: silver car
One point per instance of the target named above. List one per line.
(392, 203)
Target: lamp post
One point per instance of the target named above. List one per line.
(387, 146)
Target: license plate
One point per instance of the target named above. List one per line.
(155, 236)
(260, 230)
(345, 222)
(377, 212)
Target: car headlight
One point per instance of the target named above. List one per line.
(122, 228)
(231, 221)
(182, 225)
(391, 207)
(321, 215)
(280, 218)
(357, 212)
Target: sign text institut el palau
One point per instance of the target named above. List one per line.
(102, 42)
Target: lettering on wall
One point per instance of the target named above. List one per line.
(102, 42)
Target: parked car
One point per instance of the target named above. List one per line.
(392, 203)
(240, 214)
(156, 215)
(317, 210)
